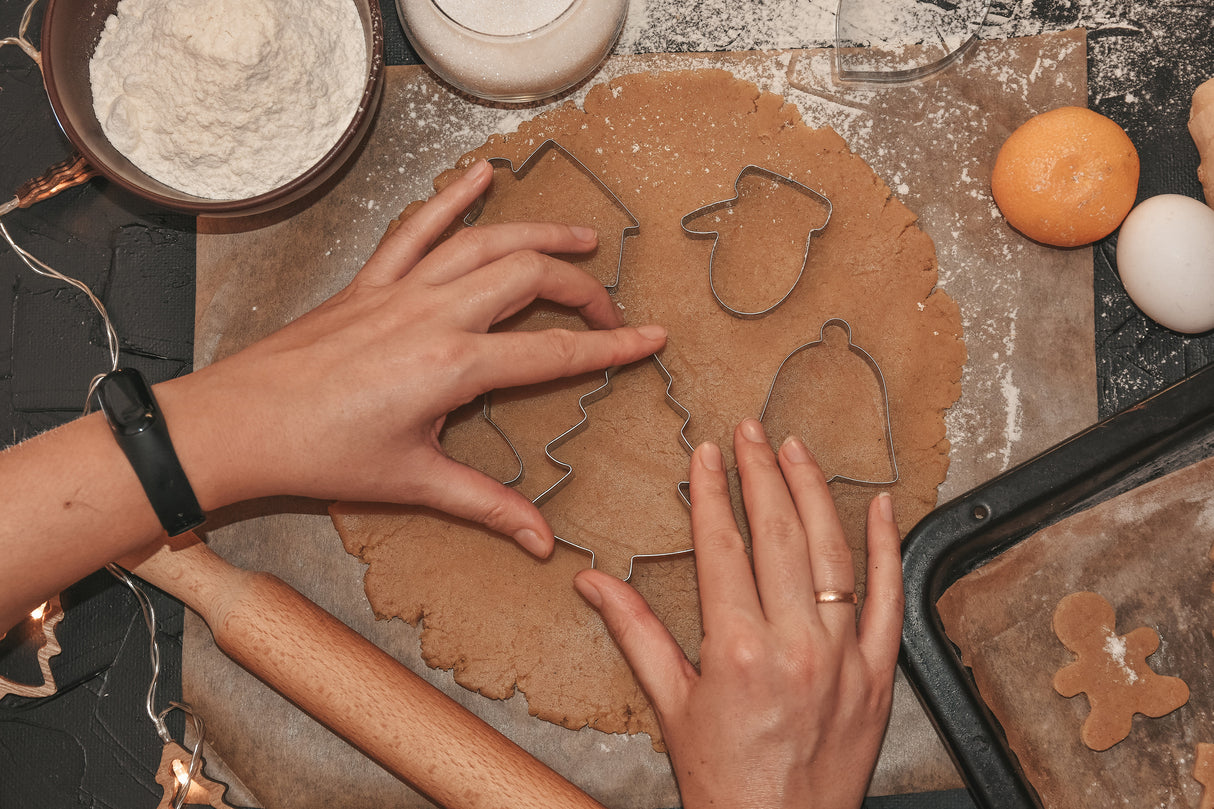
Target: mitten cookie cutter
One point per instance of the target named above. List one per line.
(532, 160)
(880, 377)
(555, 444)
(716, 236)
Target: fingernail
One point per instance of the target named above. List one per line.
(752, 430)
(532, 541)
(795, 451)
(589, 592)
(885, 505)
(479, 169)
(652, 332)
(710, 456)
(583, 233)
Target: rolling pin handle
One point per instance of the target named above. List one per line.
(354, 688)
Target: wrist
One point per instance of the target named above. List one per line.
(206, 435)
(139, 428)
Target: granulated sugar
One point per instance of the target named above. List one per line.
(503, 17)
(486, 54)
(228, 99)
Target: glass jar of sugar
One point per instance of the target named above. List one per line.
(512, 50)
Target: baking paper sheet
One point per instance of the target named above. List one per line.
(1030, 380)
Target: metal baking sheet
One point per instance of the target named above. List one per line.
(1165, 433)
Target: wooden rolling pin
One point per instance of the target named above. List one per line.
(353, 687)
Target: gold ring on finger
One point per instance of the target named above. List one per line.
(835, 597)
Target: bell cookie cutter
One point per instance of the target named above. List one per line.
(555, 444)
(872, 363)
(532, 160)
(729, 203)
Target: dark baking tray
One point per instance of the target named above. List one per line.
(1171, 430)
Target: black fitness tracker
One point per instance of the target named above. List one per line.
(139, 427)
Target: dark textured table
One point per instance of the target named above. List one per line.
(92, 744)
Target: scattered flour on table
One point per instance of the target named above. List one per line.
(227, 99)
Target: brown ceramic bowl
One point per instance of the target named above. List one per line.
(70, 32)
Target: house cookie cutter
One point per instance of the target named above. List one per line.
(600, 392)
(535, 157)
(872, 363)
(555, 444)
(729, 203)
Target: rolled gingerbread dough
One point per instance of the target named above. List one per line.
(668, 144)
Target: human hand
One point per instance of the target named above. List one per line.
(792, 698)
(348, 401)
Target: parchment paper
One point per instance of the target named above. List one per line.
(1029, 383)
(1147, 553)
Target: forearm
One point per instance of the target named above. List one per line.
(345, 403)
(72, 503)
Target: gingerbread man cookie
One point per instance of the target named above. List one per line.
(1203, 773)
(1210, 556)
(1111, 669)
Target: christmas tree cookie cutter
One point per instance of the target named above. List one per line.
(533, 160)
(632, 229)
(881, 384)
(602, 390)
(713, 207)
(589, 398)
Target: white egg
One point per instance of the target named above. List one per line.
(1165, 256)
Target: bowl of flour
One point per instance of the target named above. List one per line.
(214, 107)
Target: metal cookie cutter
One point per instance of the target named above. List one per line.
(729, 203)
(631, 230)
(518, 459)
(590, 398)
(535, 157)
(872, 363)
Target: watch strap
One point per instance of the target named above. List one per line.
(139, 428)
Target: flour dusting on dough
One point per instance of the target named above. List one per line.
(1115, 647)
(670, 143)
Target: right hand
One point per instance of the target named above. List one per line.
(791, 701)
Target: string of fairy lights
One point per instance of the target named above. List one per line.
(46, 616)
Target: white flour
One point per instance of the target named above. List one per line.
(227, 99)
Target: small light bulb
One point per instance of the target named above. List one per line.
(180, 772)
(39, 612)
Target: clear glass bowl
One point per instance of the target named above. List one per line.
(482, 55)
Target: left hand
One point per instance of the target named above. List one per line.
(348, 401)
